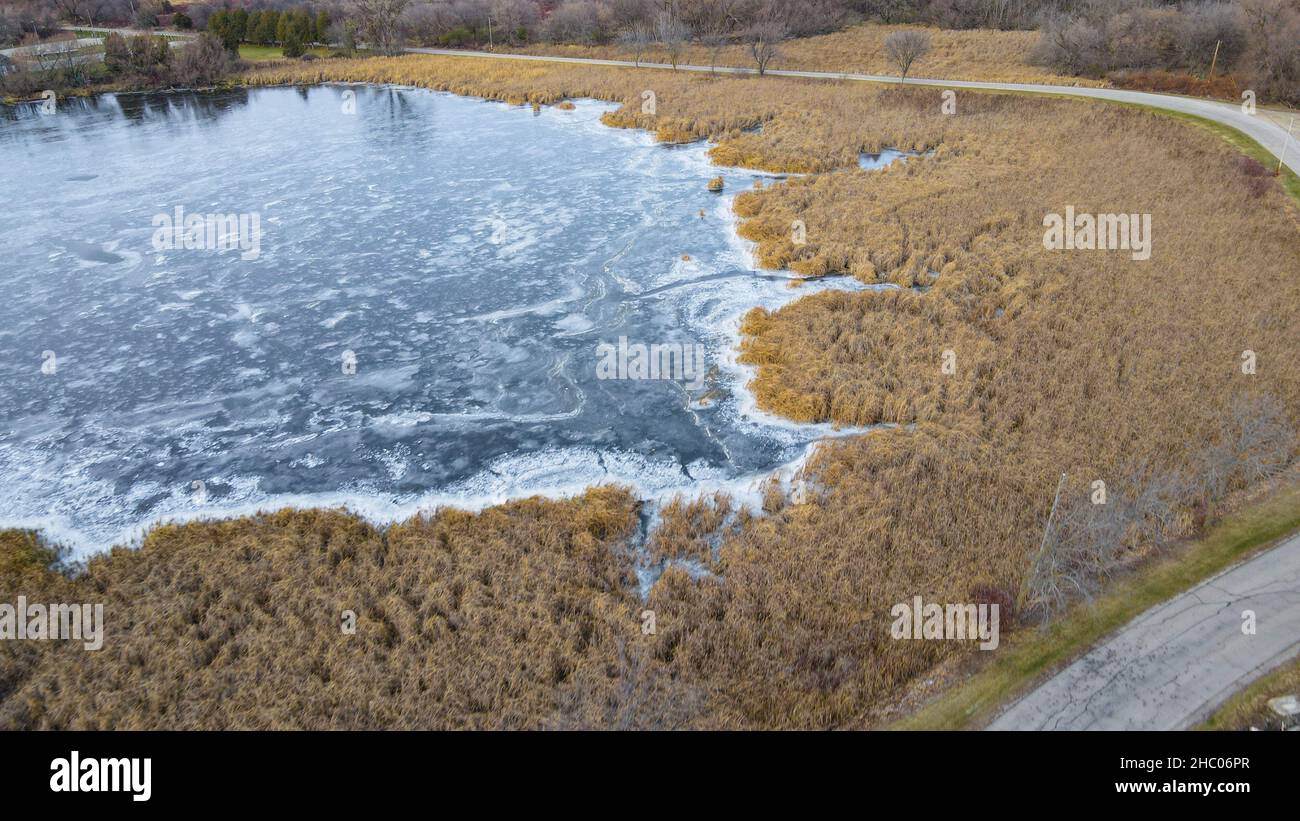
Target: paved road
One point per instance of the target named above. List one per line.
(1269, 128)
(1171, 666)
(130, 32)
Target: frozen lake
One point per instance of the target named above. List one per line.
(415, 317)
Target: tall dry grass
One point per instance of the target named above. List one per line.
(993, 56)
(462, 622)
(1085, 363)
(775, 126)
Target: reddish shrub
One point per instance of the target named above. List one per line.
(1252, 168)
(1226, 87)
(1001, 596)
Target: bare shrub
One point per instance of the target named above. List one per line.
(203, 62)
(1085, 541)
(10, 29)
(117, 54)
(1205, 25)
(1072, 46)
(424, 23)
(1261, 438)
(1273, 58)
(513, 19)
(806, 18)
(714, 42)
(577, 21)
(1257, 186)
(1002, 596)
(903, 48)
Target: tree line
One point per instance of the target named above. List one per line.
(1254, 39)
(293, 29)
(1258, 39)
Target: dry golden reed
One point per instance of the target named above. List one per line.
(462, 621)
(981, 54)
(1088, 363)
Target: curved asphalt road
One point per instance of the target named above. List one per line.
(1169, 668)
(1268, 128)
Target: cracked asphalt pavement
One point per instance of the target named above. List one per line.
(1169, 668)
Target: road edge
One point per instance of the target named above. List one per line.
(1033, 656)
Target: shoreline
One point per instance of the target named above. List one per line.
(769, 621)
(383, 511)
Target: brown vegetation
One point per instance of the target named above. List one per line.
(462, 621)
(1087, 363)
(1227, 86)
(796, 134)
(1197, 39)
(991, 56)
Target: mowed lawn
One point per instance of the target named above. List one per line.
(256, 54)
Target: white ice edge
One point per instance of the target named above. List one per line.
(380, 510)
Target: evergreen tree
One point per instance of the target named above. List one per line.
(293, 46)
(322, 27)
(222, 27)
(239, 22)
(254, 33)
(267, 22)
(306, 25)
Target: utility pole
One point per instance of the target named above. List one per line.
(489, 31)
(1285, 143)
(1215, 61)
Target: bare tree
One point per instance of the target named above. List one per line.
(714, 42)
(903, 48)
(514, 17)
(765, 38)
(201, 62)
(577, 21)
(58, 59)
(636, 39)
(671, 33)
(1273, 59)
(90, 11)
(379, 23)
(1260, 436)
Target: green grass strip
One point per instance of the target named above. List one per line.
(1027, 655)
